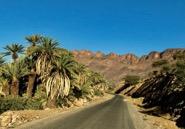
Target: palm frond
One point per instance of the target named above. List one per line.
(15, 70)
(3, 83)
(33, 39)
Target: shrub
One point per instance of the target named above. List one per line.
(160, 63)
(19, 104)
(98, 93)
(34, 104)
(179, 56)
(166, 68)
(132, 79)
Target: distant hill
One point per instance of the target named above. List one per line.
(115, 67)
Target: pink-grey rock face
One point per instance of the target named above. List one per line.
(115, 66)
(112, 56)
(128, 58)
(168, 53)
(151, 56)
(142, 59)
(154, 55)
(86, 53)
(82, 53)
(99, 55)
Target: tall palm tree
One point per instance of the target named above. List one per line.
(43, 51)
(14, 71)
(13, 50)
(33, 40)
(47, 52)
(58, 81)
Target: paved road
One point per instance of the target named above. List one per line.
(111, 114)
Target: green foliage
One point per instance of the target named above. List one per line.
(180, 65)
(40, 93)
(58, 83)
(86, 88)
(19, 104)
(132, 79)
(15, 70)
(98, 93)
(160, 63)
(179, 72)
(166, 68)
(33, 39)
(179, 56)
(61, 102)
(53, 67)
(13, 50)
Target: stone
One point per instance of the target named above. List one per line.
(78, 102)
(6, 119)
(47, 109)
(15, 117)
(85, 100)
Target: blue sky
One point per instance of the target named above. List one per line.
(121, 26)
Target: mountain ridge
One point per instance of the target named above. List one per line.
(114, 66)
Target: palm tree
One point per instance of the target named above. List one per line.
(33, 40)
(49, 64)
(31, 77)
(82, 75)
(13, 50)
(42, 52)
(14, 71)
(58, 81)
(81, 78)
(86, 89)
(99, 83)
(48, 52)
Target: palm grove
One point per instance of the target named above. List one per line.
(47, 73)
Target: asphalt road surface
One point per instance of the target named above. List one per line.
(111, 114)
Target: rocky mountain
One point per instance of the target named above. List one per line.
(115, 66)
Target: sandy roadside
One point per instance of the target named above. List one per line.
(154, 122)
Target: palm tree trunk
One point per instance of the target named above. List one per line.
(6, 89)
(52, 103)
(14, 57)
(31, 82)
(15, 87)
